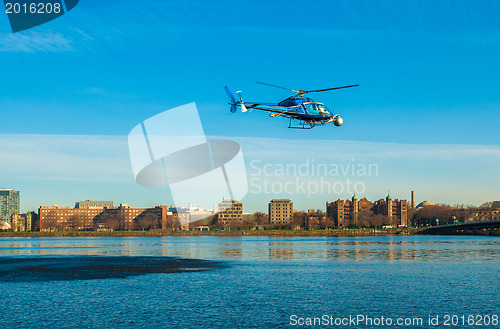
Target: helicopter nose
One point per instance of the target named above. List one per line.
(338, 121)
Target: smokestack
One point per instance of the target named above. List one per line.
(412, 199)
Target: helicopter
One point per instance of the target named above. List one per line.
(303, 112)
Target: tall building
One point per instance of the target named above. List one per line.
(280, 211)
(59, 218)
(412, 200)
(230, 211)
(128, 215)
(23, 222)
(396, 210)
(10, 201)
(124, 216)
(344, 213)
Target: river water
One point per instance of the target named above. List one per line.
(259, 282)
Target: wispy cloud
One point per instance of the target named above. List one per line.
(63, 157)
(33, 41)
(347, 149)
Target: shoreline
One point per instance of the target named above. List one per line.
(159, 233)
(339, 233)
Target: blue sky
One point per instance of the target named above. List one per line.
(428, 71)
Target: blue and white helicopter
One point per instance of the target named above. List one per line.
(307, 112)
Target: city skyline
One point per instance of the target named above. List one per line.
(425, 112)
(192, 207)
(388, 212)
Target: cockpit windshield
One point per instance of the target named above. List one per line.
(316, 109)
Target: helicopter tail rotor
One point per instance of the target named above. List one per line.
(231, 99)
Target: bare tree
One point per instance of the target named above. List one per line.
(216, 224)
(176, 223)
(148, 222)
(49, 222)
(299, 219)
(152, 220)
(169, 222)
(87, 223)
(248, 223)
(110, 221)
(312, 223)
(235, 225)
(393, 221)
(327, 223)
(365, 218)
(36, 224)
(377, 220)
(261, 218)
(124, 225)
(74, 223)
(487, 205)
(441, 214)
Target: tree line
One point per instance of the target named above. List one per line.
(443, 214)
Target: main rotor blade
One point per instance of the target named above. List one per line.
(318, 90)
(302, 92)
(268, 84)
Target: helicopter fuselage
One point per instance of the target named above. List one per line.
(301, 108)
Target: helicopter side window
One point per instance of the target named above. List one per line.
(311, 109)
(299, 109)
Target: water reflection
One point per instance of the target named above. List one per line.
(367, 249)
(281, 253)
(231, 253)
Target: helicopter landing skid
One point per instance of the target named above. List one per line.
(301, 125)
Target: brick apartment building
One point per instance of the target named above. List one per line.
(91, 214)
(345, 213)
(23, 222)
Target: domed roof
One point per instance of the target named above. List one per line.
(425, 204)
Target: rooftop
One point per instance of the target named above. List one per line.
(280, 200)
(425, 204)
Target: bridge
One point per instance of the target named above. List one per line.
(478, 228)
